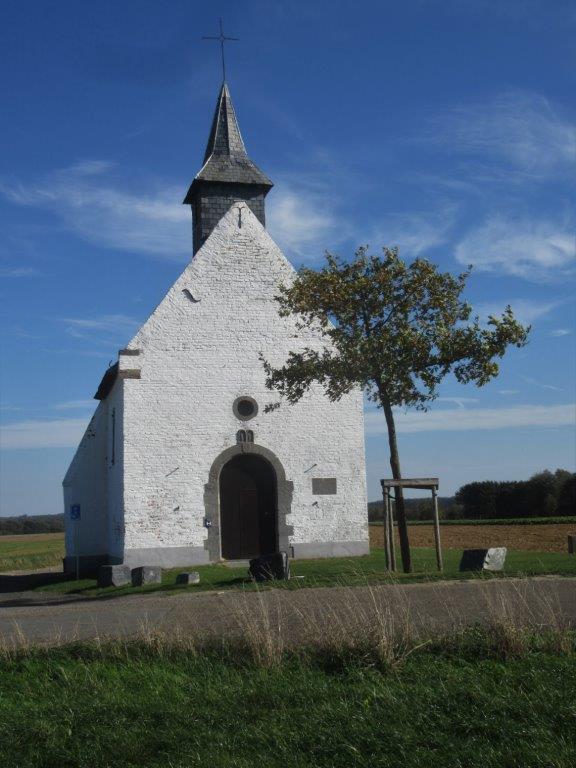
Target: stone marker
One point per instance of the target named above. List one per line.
(193, 577)
(572, 544)
(270, 567)
(146, 574)
(483, 559)
(114, 576)
(495, 559)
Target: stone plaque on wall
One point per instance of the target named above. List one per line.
(322, 486)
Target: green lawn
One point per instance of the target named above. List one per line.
(340, 571)
(82, 708)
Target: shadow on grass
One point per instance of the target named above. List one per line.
(29, 581)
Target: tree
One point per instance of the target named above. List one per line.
(567, 497)
(396, 329)
(479, 499)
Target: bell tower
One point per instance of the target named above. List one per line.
(227, 176)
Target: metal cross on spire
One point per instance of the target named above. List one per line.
(222, 38)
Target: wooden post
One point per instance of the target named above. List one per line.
(437, 531)
(386, 527)
(391, 531)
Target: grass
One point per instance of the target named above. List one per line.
(154, 706)
(348, 571)
(30, 551)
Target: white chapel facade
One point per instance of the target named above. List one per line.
(181, 464)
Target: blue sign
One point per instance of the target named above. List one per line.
(75, 512)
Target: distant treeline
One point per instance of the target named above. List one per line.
(420, 509)
(10, 526)
(545, 494)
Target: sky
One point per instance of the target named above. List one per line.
(445, 127)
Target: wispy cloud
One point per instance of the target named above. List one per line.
(540, 384)
(461, 402)
(92, 201)
(529, 248)
(305, 210)
(522, 130)
(460, 419)
(18, 272)
(525, 310)
(54, 433)
(508, 391)
(303, 223)
(74, 405)
(416, 232)
(103, 328)
(560, 332)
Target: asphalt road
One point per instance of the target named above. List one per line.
(292, 616)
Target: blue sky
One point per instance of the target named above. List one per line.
(443, 127)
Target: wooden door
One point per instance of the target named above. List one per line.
(247, 508)
(249, 544)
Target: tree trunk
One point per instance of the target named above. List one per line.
(399, 493)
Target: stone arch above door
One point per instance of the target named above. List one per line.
(285, 489)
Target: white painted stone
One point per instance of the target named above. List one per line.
(195, 359)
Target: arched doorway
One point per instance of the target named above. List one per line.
(248, 507)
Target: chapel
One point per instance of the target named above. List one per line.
(181, 463)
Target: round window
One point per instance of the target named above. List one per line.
(245, 408)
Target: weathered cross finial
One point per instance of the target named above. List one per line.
(222, 38)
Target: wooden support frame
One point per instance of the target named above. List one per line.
(416, 483)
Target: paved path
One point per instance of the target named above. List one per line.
(308, 614)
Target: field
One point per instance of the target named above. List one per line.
(153, 707)
(532, 538)
(30, 551)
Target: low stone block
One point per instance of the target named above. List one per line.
(483, 559)
(114, 576)
(146, 574)
(193, 577)
(572, 544)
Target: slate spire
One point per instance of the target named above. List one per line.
(225, 138)
(227, 176)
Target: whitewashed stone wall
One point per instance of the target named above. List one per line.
(142, 493)
(195, 358)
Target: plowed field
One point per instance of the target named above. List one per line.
(535, 538)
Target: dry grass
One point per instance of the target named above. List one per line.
(373, 626)
(31, 551)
